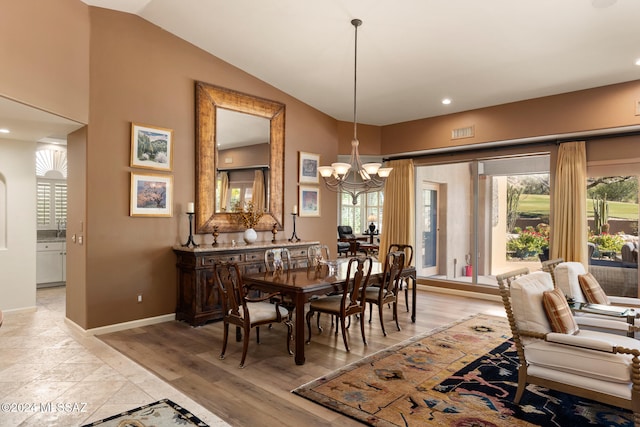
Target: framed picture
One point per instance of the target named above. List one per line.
(308, 168)
(151, 195)
(309, 200)
(151, 147)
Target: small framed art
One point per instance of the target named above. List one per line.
(151, 147)
(309, 200)
(151, 195)
(308, 168)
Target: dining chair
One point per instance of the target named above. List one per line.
(387, 292)
(406, 275)
(316, 254)
(277, 259)
(350, 302)
(244, 311)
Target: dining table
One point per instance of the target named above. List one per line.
(301, 284)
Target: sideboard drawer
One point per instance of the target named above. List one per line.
(253, 257)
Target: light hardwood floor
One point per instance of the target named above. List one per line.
(260, 394)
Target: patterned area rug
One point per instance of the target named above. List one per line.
(461, 375)
(163, 413)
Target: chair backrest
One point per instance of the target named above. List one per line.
(277, 259)
(353, 294)
(407, 249)
(393, 265)
(566, 278)
(521, 293)
(229, 280)
(317, 253)
(551, 265)
(345, 232)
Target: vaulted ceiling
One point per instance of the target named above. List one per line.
(411, 53)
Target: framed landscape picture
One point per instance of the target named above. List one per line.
(151, 195)
(309, 200)
(308, 168)
(151, 147)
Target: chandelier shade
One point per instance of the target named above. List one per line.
(354, 178)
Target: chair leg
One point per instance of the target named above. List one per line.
(245, 345)
(522, 382)
(395, 313)
(309, 316)
(258, 334)
(289, 336)
(380, 308)
(370, 311)
(224, 340)
(406, 292)
(364, 339)
(344, 333)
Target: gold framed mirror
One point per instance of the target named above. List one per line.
(209, 99)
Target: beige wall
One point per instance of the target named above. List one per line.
(587, 110)
(45, 55)
(140, 73)
(18, 256)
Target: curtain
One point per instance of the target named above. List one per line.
(569, 224)
(223, 177)
(398, 211)
(258, 190)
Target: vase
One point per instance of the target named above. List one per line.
(250, 235)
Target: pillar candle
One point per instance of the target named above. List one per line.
(190, 207)
(295, 209)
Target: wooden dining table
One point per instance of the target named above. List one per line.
(303, 283)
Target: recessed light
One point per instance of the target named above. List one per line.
(5, 131)
(446, 101)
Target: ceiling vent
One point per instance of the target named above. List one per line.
(466, 132)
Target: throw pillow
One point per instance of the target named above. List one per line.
(592, 290)
(559, 313)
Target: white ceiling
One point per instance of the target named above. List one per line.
(411, 53)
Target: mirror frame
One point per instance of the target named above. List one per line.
(208, 97)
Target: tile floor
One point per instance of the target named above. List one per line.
(50, 375)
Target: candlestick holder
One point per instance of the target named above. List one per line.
(215, 235)
(191, 241)
(274, 231)
(294, 236)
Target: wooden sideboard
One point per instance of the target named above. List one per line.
(198, 300)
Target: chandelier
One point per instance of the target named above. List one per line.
(354, 178)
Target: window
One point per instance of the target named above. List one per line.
(359, 216)
(471, 214)
(51, 204)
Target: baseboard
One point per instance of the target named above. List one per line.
(458, 292)
(21, 310)
(121, 326)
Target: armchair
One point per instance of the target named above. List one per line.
(565, 275)
(346, 236)
(589, 364)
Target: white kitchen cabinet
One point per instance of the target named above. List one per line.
(50, 262)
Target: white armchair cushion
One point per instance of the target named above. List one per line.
(580, 361)
(566, 275)
(526, 301)
(626, 301)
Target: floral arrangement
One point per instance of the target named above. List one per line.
(529, 241)
(607, 242)
(249, 215)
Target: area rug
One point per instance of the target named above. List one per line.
(464, 374)
(163, 413)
